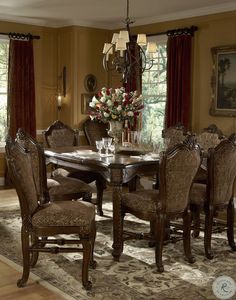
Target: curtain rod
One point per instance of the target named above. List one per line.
(178, 31)
(20, 36)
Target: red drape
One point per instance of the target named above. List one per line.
(178, 80)
(21, 88)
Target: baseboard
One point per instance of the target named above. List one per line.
(2, 181)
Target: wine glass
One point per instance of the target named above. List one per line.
(112, 148)
(107, 143)
(99, 146)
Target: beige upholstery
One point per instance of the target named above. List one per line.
(175, 134)
(41, 218)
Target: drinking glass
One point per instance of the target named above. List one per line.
(99, 146)
(107, 143)
(112, 148)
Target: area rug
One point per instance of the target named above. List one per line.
(135, 276)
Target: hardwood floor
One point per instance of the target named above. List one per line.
(10, 273)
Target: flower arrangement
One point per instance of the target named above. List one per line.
(116, 105)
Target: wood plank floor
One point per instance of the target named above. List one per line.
(34, 290)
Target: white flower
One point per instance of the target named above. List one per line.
(106, 115)
(103, 99)
(109, 103)
(130, 113)
(119, 107)
(92, 104)
(95, 100)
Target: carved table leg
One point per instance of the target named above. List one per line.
(117, 234)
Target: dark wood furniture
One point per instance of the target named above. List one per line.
(177, 169)
(60, 187)
(94, 131)
(42, 219)
(59, 135)
(116, 170)
(217, 193)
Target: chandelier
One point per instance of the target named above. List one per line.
(127, 55)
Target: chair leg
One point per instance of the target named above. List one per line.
(87, 248)
(160, 232)
(187, 236)
(230, 224)
(26, 257)
(195, 212)
(34, 255)
(100, 188)
(209, 214)
(93, 263)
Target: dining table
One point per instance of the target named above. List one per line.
(117, 169)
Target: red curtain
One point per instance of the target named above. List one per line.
(21, 88)
(178, 80)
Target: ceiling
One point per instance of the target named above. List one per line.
(107, 14)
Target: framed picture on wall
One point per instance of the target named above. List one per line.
(85, 99)
(223, 81)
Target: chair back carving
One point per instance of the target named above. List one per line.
(222, 171)
(60, 135)
(210, 137)
(94, 131)
(176, 134)
(23, 178)
(178, 167)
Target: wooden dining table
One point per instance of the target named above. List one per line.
(116, 169)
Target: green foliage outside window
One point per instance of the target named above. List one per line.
(4, 48)
(154, 93)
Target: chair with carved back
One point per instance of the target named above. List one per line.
(178, 166)
(44, 220)
(217, 193)
(175, 134)
(94, 131)
(208, 138)
(60, 135)
(60, 188)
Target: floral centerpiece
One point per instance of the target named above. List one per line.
(116, 105)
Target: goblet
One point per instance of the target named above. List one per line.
(106, 143)
(99, 146)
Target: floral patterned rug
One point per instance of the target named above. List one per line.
(135, 276)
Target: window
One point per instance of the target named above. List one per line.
(4, 48)
(154, 91)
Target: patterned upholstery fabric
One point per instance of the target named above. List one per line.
(61, 138)
(64, 213)
(60, 185)
(174, 134)
(147, 200)
(94, 131)
(208, 140)
(180, 172)
(198, 194)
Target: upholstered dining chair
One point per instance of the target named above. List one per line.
(94, 131)
(60, 188)
(175, 134)
(208, 138)
(217, 193)
(43, 220)
(178, 166)
(60, 135)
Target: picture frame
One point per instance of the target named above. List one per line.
(85, 99)
(223, 81)
(90, 83)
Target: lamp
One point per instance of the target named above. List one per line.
(127, 56)
(61, 88)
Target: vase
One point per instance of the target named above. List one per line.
(115, 130)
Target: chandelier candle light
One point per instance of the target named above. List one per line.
(127, 56)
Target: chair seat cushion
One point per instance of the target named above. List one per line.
(198, 194)
(60, 185)
(66, 213)
(142, 201)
